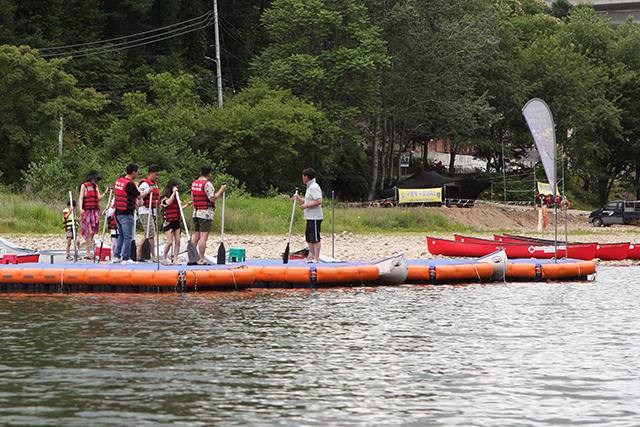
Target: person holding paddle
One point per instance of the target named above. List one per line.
(312, 207)
(126, 200)
(149, 189)
(204, 199)
(171, 220)
(89, 209)
(68, 219)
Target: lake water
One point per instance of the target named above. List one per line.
(516, 354)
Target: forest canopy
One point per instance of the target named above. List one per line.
(345, 87)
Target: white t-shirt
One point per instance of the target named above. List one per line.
(313, 193)
(144, 209)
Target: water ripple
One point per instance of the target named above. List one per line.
(518, 354)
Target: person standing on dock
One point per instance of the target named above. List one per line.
(126, 199)
(171, 220)
(68, 219)
(312, 207)
(149, 189)
(204, 202)
(89, 209)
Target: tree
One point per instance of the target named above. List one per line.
(574, 73)
(160, 127)
(268, 136)
(624, 53)
(518, 25)
(561, 8)
(33, 93)
(432, 88)
(326, 52)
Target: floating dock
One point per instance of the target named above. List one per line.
(34, 277)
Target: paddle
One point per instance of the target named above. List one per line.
(192, 251)
(133, 254)
(104, 228)
(73, 227)
(285, 255)
(221, 251)
(145, 250)
(157, 225)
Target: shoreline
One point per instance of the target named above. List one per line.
(344, 245)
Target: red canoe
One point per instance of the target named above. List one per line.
(19, 259)
(634, 251)
(604, 251)
(585, 251)
(480, 247)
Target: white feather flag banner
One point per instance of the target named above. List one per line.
(538, 116)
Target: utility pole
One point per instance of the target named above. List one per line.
(60, 137)
(218, 68)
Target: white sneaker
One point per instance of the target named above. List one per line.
(116, 260)
(129, 261)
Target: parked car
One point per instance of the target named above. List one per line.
(616, 212)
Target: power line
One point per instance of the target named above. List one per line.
(208, 18)
(233, 33)
(125, 37)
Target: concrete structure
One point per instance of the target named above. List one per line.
(615, 10)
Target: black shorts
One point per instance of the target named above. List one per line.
(312, 234)
(173, 225)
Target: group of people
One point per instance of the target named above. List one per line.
(140, 199)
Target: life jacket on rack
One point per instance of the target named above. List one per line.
(200, 199)
(122, 201)
(90, 200)
(154, 194)
(172, 212)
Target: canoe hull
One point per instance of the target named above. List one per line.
(604, 251)
(481, 247)
(393, 270)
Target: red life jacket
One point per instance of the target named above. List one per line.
(90, 199)
(153, 194)
(172, 212)
(200, 199)
(112, 222)
(122, 202)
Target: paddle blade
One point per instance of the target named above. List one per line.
(192, 253)
(145, 250)
(96, 257)
(221, 254)
(134, 251)
(285, 255)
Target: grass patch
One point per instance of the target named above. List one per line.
(20, 215)
(248, 215)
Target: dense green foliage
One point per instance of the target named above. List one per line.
(342, 86)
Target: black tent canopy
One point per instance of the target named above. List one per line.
(454, 188)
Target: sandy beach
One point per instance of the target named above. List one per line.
(344, 246)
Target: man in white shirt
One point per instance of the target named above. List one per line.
(149, 189)
(312, 207)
